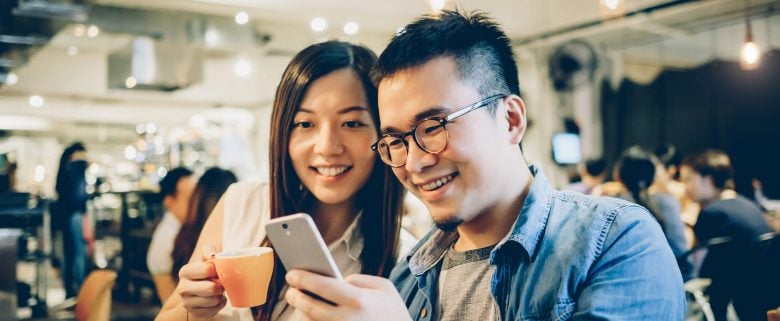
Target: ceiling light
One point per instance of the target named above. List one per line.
(130, 152)
(36, 101)
(72, 50)
(40, 173)
(242, 68)
(93, 31)
(212, 37)
(241, 18)
(79, 30)
(351, 28)
(140, 129)
(11, 79)
(611, 9)
(151, 128)
(318, 24)
(751, 54)
(130, 82)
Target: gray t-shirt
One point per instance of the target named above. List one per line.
(464, 286)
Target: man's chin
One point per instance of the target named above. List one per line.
(448, 224)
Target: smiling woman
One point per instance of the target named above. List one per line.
(324, 119)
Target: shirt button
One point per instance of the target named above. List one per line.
(424, 312)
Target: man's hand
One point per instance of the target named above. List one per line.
(360, 297)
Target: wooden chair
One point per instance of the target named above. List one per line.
(93, 302)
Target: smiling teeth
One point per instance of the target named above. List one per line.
(332, 171)
(436, 184)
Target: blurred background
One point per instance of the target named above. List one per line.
(149, 85)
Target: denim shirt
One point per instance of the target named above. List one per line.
(567, 257)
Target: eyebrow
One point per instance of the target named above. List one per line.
(430, 112)
(340, 112)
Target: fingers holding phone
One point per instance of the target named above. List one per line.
(358, 297)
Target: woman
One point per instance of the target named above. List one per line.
(324, 119)
(211, 185)
(636, 170)
(78, 238)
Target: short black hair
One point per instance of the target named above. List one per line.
(669, 155)
(595, 166)
(481, 50)
(715, 164)
(169, 182)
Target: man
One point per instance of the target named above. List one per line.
(175, 190)
(732, 226)
(507, 245)
(592, 174)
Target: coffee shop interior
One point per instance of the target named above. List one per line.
(147, 86)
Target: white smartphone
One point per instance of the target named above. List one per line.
(300, 246)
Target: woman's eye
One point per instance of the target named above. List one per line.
(303, 124)
(354, 124)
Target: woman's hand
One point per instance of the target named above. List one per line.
(200, 294)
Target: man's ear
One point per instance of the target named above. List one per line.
(514, 113)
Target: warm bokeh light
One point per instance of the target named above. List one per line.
(751, 55)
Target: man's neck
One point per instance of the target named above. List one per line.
(490, 227)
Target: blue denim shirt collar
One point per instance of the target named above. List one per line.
(527, 230)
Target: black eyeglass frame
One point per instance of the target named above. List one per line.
(443, 121)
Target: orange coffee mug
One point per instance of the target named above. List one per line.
(245, 274)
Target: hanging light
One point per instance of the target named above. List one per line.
(751, 55)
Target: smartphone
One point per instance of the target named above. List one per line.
(300, 246)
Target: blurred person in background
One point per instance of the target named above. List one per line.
(211, 185)
(736, 223)
(7, 174)
(667, 181)
(636, 169)
(324, 119)
(175, 190)
(70, 217)
(592, 173)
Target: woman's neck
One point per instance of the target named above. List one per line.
(332, 220)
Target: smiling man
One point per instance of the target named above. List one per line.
(507, 245)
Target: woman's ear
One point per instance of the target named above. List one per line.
(514, 113)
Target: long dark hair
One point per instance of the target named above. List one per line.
(209, 189)
(62, 183)
(636, 170)
(380, 198)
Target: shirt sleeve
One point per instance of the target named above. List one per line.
(635, 275)
(158, 258)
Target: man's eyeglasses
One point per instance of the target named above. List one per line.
(430, 135)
